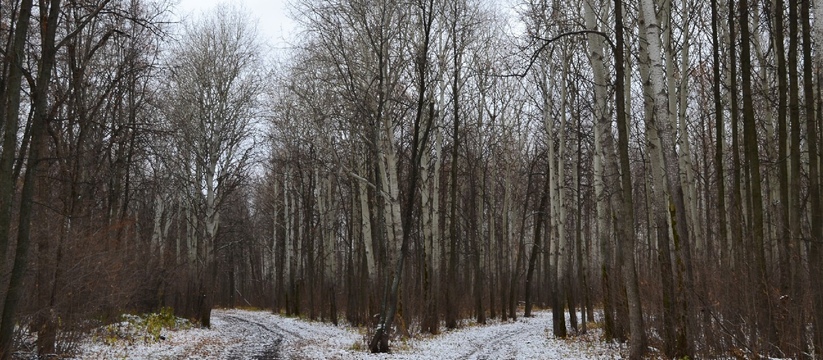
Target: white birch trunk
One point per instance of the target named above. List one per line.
(191, 239)
(330, 216)
(817, 24)
(560, 188)
(596, 57)
(436, 237)
(365, 224)
(273, 248)
(430, 210)
(288, 258)
(556, 182)
(178, 244)
(684, 142)
(508, 214)
(391, 193)
(659, 121)
(659, 192)
(157, 238)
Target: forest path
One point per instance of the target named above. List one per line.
(525, 338)
(261, 335)
(259, 341)
(264, 336)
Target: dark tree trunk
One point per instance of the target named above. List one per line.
(420, 136)
(9, 118)
(816, 253)
(765, 310)
(626, 235)
(538, 228)
(38, 136)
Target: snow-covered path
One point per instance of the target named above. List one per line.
(526, 338)
(241, 334)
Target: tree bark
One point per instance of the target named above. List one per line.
(659, 204)
(626, 234)
(677, 208)
(538, 228)
(9, 118)
(602, 135)
(790, 171)
(812, 126)
(720, 133)
(421, 131)
(38, 136)
(764, 309)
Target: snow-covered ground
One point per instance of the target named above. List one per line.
(242, 334)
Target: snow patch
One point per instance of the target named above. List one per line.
(242, 334)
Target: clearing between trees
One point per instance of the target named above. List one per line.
(243, 334)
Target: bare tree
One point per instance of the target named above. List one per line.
(215, 84)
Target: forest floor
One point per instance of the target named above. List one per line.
(243, 334)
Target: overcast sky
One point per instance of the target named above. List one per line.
(272, 16)
(275, 27)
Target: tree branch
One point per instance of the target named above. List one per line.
(547, 42)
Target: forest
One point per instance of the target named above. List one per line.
(648, 167)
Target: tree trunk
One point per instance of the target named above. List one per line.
(596, 46)
(430, 213)
(538, 228)
(582, 274)
(626, 234)
(421, 131)
(720, 133)
(38, 137)
(679, 216)
(659, 204)
(812, 126)
(9, 118)
(790, 172)
(451, 296)
(764, 309)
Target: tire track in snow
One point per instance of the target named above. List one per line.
(292, 335)
(270, 349)
(502, 343)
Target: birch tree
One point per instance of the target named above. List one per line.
(214, 86)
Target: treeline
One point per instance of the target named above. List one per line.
(411, 164)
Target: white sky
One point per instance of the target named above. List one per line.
(272, 16)
(274, 25)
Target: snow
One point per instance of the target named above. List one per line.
(243, 334)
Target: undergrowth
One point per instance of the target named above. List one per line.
(146, 328)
